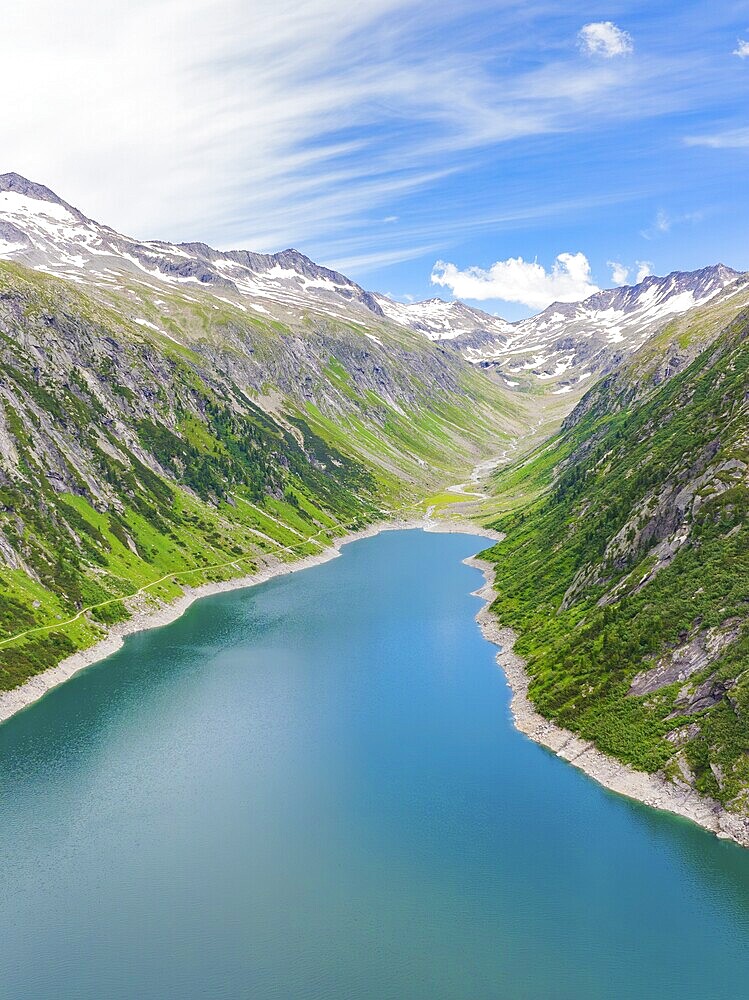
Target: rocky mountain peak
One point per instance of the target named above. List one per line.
(570, 342)
(41, 230)
(13, 183)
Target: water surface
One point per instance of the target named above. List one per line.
(312, 789)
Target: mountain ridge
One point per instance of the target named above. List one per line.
(554, 352)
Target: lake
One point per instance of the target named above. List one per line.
(313, 789)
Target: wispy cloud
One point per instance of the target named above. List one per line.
(664, 223)
(734, 138)
(319, 125)
(659, 227)
(742, 49)
(363, 262)
(523, 281)
(604, 38)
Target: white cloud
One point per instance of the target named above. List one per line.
(742, 49)
(619, 272)
(518, 280)
(603, 38)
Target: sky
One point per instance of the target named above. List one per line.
(505, 152)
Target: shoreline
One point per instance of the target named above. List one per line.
(652, 790)
(17, 699)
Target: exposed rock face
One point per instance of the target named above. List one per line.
(705, 695)
(684, 661)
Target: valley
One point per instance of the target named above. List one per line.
(178, 420)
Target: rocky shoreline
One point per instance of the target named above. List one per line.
(653, 790)
(36, 687)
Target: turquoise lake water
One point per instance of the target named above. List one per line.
(312, 789)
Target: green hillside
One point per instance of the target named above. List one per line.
(626, 568)
(131, 458)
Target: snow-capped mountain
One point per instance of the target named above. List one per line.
(558, 350)
(568, 343)
(440, 320)
(39, 229)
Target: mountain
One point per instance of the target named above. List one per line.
(40, 229)
(625, 567)
(555, 353)
(175, 414)
(567, 344)
(440, 320)
(559, 350)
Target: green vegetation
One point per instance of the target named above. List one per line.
(626, 539)
(132, 465)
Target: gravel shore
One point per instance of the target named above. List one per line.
(37, 686)
(652, 789)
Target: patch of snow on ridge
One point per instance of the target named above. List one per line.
(151, 326)
(325, 283)
(14, 203)
(561, 367)
(156, 272)
(7, 248)
(237, 305)
(157, 329)
(535, 362)
(279, 273)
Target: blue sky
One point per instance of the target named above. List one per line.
(384, 137)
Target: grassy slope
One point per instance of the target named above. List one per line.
(582, 579)
(130, 461)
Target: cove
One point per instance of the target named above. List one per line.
(312, 789)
